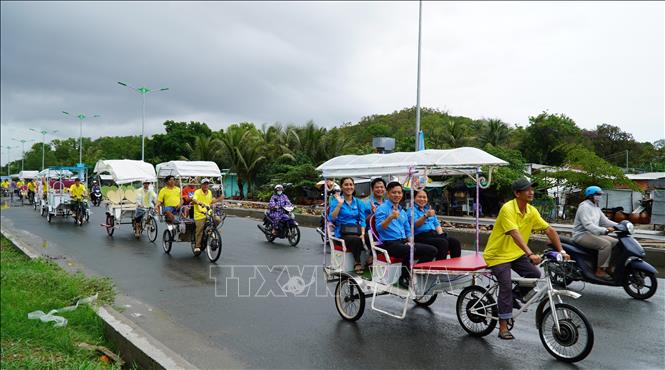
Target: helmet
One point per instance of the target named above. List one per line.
(279, 187)
(592, 190)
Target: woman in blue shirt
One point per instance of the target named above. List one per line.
(348, 215)
(393, 224)
(428, 230)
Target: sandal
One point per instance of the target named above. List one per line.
(507, 335)
(358, 268)
(369, 261)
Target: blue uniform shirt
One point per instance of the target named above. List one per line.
(399, 228)
(353, 214)
(367, 203)
(430, 224)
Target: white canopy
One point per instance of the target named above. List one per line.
(437, 161)
(188, 169)
(28, 174)
(125, 171)
(51, 173)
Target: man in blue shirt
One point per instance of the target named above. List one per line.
(393, 226)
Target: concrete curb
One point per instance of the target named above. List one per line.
(538, 243)
(134, 344)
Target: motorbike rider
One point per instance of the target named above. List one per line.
(145, 198)
(276, 211)
(96, 190)
(201, 199)
(591, 227)
(507, 247)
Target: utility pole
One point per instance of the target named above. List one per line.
(626, 160)
(420, 17)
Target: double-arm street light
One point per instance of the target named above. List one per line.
(81, 117)
(8, 147)
(23, 141)
(44, 133)
(143, 91)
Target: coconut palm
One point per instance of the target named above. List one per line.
(242, 145)
(204, 149)
(494, 132)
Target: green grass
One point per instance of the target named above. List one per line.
(30, 285)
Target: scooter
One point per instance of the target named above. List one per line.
(96, 197)
(288, 227)
(637, 276)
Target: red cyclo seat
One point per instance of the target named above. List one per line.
(381, 257)
(338, 246)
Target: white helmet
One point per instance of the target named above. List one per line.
(279, 187)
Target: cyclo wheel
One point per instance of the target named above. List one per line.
(213, 245)
(349, 299)
(425, 300)
(167, 241)
(110, 222)
(575, 339)
(151, 228)
(294, 235)
(476, 311)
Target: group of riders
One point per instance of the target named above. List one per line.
(31, 188)
(507, 249)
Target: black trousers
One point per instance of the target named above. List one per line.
(400, 249)
(442, 243)
(355, 244)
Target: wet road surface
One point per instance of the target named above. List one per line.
(257, 319)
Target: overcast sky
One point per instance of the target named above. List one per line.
(331, 62)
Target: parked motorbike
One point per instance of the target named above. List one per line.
(637, 276)
(96, 197)
(287, 227)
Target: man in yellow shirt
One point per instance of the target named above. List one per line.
(202, 198)
(507, 247)
(31, 190)
(169, 197)
(77, 192)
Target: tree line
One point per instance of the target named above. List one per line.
(278, 153)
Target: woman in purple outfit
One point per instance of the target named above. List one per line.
(276, 212)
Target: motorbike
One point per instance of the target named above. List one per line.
(96, 197)
(287, 227)
(637, 276)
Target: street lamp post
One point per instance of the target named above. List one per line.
(44, 133)
(8, 147)
(143, 91)
(23, 141)
(420, 17)
(81, 117)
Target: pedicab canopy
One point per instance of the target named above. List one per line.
(188, 169)
(435, 161)
(28, 174)
(50, 173)
(125, 171)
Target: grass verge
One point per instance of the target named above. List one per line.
(30, 285)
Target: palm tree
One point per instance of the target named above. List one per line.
(494, 132)
(275, 142)
(205, 149)
(456, 134)
(243, 146)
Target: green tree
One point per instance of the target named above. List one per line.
(543, 138)
(494, 132)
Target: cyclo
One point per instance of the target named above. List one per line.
(59, 201)
(121, 205)
(564, 330)
(188, 173)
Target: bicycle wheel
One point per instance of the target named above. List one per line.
(151, 228)
(213, 245)
(574, 341)
(425, 300)
(167, 241)
(476, 311)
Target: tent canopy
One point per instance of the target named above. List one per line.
(126, 171)
(188, 169)
(436, 161)
(28, 174)
(52, 173)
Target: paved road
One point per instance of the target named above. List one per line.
(273, 331)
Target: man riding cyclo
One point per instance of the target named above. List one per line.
(590, 230)
(77, 192)
(145, 198)
(168, 200)
(202, 199)
(32, 186)
(507, 249)
(19, 188)
(5, 187)
(278, 201)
